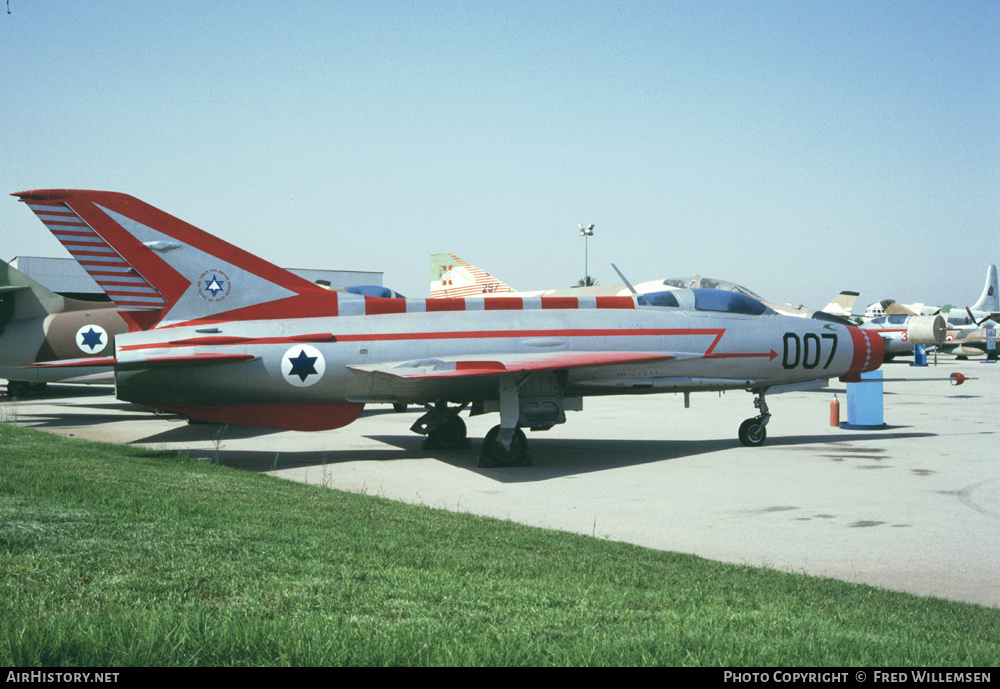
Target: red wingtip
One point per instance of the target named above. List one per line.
(958, 378)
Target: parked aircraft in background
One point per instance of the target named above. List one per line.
(38, 325)
(242, 341)
(890, 307)
(842, 305)
(453, 276)
(984, 310)
(969, 342)
(904, 325)
(987, 307)
(900, 332)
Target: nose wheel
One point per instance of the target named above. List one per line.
(753, 431)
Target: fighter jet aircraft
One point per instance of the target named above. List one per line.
(38, 325)
(241, 341)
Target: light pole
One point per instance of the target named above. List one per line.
(586, 233)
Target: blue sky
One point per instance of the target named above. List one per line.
(799, 148)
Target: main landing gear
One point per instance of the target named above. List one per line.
(753, 431)
(444, 428)
(498, 452)
(20, 388)
(505, 445)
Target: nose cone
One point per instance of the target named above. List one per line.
(869, 352)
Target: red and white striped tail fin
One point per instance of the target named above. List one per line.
(452, 276)
(145, 258)
(119, 280)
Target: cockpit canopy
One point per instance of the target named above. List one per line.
(697, 282)
(727, 302)
(658, 299)
(894, 319)
(704, 299)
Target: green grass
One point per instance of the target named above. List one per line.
(113, 555)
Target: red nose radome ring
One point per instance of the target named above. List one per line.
(869, 351)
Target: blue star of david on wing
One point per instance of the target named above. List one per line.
(214, 285)
(303, 366)
(92, 339)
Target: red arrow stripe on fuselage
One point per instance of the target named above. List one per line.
(717, 333)
(445, 335)
(770, 355)
(485, 334)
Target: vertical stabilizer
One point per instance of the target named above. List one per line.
(22, 297)
(842, 305)
(990, 299)
(452, 276)
(145, 258)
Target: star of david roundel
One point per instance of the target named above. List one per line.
(91, 339)
(213, 285)
(302, 366)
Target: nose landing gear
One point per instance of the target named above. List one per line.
(753, 431)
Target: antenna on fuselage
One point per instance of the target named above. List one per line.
(625, 280)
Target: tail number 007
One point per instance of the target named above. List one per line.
(808, 350)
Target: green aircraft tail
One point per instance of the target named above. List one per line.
(22, 297)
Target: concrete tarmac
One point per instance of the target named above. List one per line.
(913, 506)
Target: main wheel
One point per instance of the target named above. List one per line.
(495, 454)
(17, 388)
(753, 432)
(449, 434)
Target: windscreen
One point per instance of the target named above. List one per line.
(726, 302)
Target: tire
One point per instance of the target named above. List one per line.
(753, 433)
(449, 434)
(494, 454)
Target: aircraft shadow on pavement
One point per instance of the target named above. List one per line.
(54, 392)
(185, 432)
(49, 420)
(124, 412)
(553, 458)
